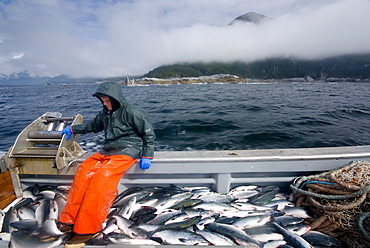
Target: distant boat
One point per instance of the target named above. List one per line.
(66, 85)
(130, 82)
(48, 83)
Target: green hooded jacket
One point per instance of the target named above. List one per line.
(126, 128)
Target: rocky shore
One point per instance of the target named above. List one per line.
(227, 78)
(219, 78)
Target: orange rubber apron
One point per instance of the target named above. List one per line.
(93, 191)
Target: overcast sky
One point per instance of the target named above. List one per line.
(118, 37)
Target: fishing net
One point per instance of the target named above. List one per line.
(339, 202)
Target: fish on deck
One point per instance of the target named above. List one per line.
(158, 215)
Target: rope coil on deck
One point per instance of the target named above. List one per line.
(338, 200)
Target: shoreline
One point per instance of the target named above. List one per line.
(232, 79)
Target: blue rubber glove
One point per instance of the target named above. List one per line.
(68, 132)
(145, 163)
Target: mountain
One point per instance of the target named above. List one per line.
(352, 67)
(349, 66)
(25, 78)
(251, 17)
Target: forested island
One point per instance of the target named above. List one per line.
(342, 68)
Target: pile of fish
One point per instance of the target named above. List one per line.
(250, 216)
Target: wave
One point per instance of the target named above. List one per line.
(270, 139)
(306, 121)
(349, 114)
(355, 112)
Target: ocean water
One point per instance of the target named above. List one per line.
(210, 116)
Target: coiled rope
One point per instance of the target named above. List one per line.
(338, 201)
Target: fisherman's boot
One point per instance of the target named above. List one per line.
(64, 227)
(79, 240)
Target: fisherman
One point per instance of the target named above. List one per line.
(128, 137)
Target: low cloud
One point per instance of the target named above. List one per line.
(114, 38)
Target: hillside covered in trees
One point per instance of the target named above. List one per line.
(349, 66)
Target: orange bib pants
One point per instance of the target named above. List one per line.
(93, 191)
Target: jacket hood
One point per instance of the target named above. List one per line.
(111, 89)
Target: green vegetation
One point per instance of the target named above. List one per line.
(349, 66)
(342, 68)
